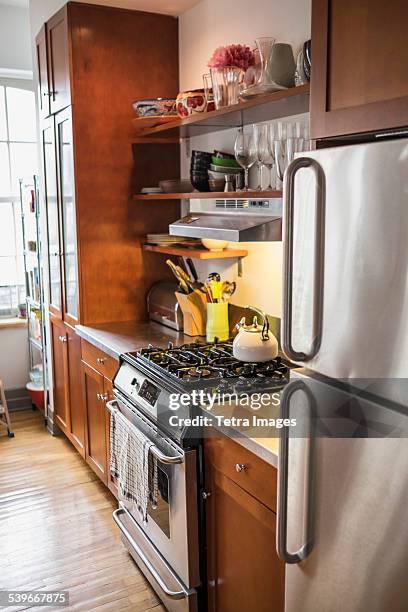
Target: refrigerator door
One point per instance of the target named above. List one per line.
(345, 311)
(348, 514)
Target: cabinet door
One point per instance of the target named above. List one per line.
(68, 216)
(95, 442)
(58, 61)
(60, 374)
(42, 65)
(77, 411)
(108, 393)
(243, 570)
(360, 65)
(53, 217)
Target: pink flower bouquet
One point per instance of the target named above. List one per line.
(240, 56)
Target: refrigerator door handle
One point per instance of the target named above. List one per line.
(288, 230)
(283, 479)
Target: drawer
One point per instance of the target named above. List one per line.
(253, 475)
(98, 360)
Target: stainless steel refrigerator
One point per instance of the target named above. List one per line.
(343, 470)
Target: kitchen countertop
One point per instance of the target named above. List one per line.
(121, 337)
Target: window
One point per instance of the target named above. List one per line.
(18, 159)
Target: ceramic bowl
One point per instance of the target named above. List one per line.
(155, 107)
(214, 245)
(176, 186)
(190, 102)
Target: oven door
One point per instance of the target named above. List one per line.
(171, 527)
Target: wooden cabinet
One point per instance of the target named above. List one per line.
(60, 374)
(69, 412)
(102, 275)
(243, 569)
(76, 431)
(98, 370)
(68, 220)
(52, 210)
(58, 61)
(42, 65)
(360, 64)
(94, 402)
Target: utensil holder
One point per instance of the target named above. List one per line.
(193, 307)
(217, 321)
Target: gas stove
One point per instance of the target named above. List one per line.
(149, 378)
(212, 364)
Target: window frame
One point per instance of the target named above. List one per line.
(14, 200)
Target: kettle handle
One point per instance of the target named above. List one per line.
(265, 321)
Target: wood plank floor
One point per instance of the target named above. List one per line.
(56, 527)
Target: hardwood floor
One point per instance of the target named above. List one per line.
(56, 527)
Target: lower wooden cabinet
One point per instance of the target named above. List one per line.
(243, 569)
(60, 374)
(69, 412)
(93, 389)
(76, 430)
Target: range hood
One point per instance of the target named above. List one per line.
(235, 220)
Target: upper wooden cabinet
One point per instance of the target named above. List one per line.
(360, 66)
(99, 60)
(58, 60)
(43, 82)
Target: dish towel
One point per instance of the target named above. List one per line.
(132, 463)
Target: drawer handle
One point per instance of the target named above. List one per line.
(100, 360)
(102, 397)
(206, 494)
(62, 338)
(240, 467)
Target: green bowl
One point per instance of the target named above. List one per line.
(224, 162)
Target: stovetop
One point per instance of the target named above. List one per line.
(212, 364)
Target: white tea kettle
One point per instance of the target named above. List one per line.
(255, 343)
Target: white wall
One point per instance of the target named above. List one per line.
(213, 23)
(208, 25)
(15, 45)
(14, 357)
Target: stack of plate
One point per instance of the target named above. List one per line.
(166, 239)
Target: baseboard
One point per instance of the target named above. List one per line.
(18, 399)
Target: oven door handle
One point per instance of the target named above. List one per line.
(155, 450)
(116, 517)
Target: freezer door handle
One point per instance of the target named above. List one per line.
(283, 479)
(288, 231)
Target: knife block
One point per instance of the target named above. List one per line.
(194, 309)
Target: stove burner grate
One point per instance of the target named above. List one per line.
(211, 362)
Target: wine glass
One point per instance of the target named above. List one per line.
(258, 136)
(280, 149)
(245, 152)
(266, 152)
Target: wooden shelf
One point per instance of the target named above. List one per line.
(194, 252)
(275, 105)
(195, 195)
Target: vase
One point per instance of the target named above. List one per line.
(281, 65)
(265, 83)
(226, 83)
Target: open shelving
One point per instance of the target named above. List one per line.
(195, 195)
(194, 252)
(284, 103)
